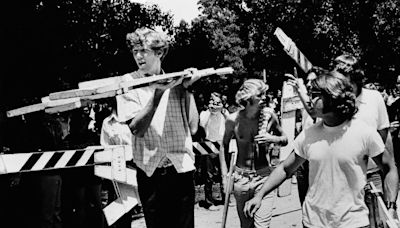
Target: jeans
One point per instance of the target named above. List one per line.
(167, 198)
(210, 169)
(244, 188)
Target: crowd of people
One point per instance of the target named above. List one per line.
(349, 134)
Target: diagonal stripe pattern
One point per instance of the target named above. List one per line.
(206, 148)
(26, 162)
(37, 161)
(293, 51)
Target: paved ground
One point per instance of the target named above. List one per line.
(287, 213)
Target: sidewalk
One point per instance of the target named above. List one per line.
(287, 213)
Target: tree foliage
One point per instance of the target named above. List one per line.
(51, 45)
(241, 33)
(54, 44)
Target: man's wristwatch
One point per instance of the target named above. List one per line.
(392, 204)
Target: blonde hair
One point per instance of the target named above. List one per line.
(148, 38)
(250, 89)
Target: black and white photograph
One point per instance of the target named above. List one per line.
(200, 114)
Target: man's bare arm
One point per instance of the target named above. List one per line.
(229, 129)
(280, 173)
(282, 137)
(193, 115)
(391, 181)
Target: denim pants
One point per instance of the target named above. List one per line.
(167, 198)
(244, 188)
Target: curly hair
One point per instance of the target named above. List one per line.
(337, 89)
(149, 38)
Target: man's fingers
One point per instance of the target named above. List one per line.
(253, 211)
(246, 209)
(250, 209)
(290, 76)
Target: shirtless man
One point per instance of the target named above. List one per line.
(252, 167)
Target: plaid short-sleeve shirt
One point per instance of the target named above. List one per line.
(168, 135)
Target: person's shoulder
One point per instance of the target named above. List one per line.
(361, 126)
(204, 114)
(233, 116)
(107, 119)
(204, 111)
(312, 130)
(372, 93)
(131, 76)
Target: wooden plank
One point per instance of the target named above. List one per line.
(288, 117)
(107, 156)
(94, 84)
(69, 106)
(98, 89)
(122, 205)
(53, 103)
(292, 50)
(142, 82)
(291, 104)
(26, 110)
(288, 126)
(71, 93)
(383, 213)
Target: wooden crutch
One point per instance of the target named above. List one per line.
(229, 188)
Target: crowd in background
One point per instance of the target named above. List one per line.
(81, 198)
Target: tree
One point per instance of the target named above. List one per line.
(53, 44)
(241, 33)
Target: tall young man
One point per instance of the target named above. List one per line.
(162, 118)
(253, 166)
(372, 110)
(337, 148)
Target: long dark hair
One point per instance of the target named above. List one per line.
(337, 90)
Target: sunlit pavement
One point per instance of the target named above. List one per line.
(287, 213)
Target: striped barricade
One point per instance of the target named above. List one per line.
(49, 160)
(206, 148)
(292, 50)
(109, 163)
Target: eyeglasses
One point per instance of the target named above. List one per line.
(315, 93)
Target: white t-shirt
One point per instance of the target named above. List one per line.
(372, 110)
(337, 175)
(213, 124)
(114, 132)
